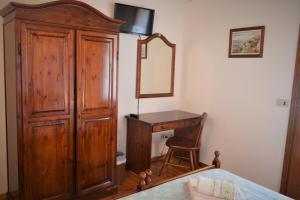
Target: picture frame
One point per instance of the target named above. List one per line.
(144, 51)
(246, 42)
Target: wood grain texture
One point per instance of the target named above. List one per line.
(121, 170)
(42, 65)
(48, 168)
(96, 135)
(48, 68)
(139, 137)
(290, 182)
(186, 143)
(128, 185)
(3, 196)
(94, 155)
(48, 111)
(150, 184)
(64, 12)
(158, 118)
(139, 134)
(95, 69)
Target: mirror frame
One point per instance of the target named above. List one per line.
(139, 63)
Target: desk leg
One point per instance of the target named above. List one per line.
(139, 138)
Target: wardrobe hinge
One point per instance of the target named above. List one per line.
(19, 48)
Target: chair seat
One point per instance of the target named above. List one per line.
(181, 143)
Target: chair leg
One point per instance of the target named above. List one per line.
(196, 160)
(192, 160)
(179, 162)
(167, 159)
(171, 155)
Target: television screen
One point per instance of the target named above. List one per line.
(138, 20)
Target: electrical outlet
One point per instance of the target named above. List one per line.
(166, 135)
(282, 102)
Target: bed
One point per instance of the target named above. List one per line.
(177, 189)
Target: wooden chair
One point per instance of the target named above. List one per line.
(183, 144)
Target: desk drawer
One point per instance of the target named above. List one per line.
(174, 125)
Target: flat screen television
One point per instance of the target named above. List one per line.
(138, 20)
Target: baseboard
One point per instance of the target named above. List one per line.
(4, 196)
(121, 173)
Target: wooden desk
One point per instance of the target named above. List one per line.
(139, 134)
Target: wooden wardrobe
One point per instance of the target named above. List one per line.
(61, 66)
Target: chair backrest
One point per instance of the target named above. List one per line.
(199, 131)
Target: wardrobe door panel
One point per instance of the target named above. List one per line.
(95, 72)
(96, 118)
(48, 111)
(96, 78)
(94, 153)
(47, 70)
(48, 160)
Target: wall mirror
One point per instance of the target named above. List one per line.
(155, 67)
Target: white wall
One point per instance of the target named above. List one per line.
(239, 94)
(164, 24)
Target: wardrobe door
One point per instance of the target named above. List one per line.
(96, 111)
(47, 55)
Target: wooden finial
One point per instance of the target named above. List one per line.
(216, 162)
(148, 176)
(142, 181)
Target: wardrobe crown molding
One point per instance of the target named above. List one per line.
(64, 12)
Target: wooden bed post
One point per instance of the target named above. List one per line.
(142, 181)
(148, 176)
(216, 162)
(145, 177)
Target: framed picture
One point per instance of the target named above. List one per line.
(144, 51)
(246, 42)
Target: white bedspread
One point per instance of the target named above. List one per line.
(178, 190)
